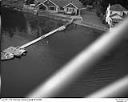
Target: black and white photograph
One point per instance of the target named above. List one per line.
(64, 49)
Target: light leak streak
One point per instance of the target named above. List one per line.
(68, 73)
(115, 89)
(0, 84)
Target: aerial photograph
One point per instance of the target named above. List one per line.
(64, 49)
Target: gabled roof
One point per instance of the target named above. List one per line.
(71, 5)
(117, 7)
(62, 3)
(40, 4)
(49, 3)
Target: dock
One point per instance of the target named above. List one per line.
(43, 36)
(13, 52)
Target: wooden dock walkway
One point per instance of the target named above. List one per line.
(11, 52)
(42, 37)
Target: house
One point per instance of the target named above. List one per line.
(71, 7)
(118, 9)
(115, 14)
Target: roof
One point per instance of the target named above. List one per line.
(63, 3)
(117, 7)
(48, 3)
(116, 16)
(70, 5)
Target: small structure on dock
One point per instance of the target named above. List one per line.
(12, 52)
(6, 55)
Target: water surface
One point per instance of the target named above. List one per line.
(21, 75)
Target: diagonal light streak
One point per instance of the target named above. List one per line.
(81, 63)
(115, 89)
(0, 84)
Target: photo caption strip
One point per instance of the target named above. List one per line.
(64, 100)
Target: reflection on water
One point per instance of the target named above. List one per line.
(13, 21)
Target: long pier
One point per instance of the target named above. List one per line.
(12, 52)
(43, 36)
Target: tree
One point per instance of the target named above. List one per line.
(87, 2)
(29, 2)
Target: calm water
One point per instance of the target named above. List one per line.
(21, 75)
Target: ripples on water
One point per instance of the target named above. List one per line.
(19, 76)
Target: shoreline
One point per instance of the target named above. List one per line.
(59, 17)
(86, 24)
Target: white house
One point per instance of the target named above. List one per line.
(118, 9)
(115, 14)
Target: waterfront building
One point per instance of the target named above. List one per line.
(115, 14)
(69, 7)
